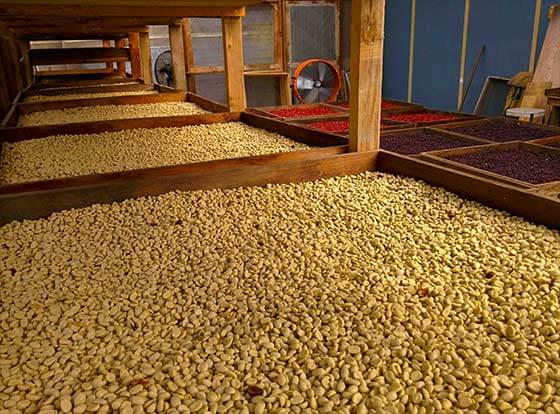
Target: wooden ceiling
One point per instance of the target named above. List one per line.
(59, 19)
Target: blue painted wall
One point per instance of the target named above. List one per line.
(437, 52)
(504, 26)
(397, 39)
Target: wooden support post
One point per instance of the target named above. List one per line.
(232, 33)
(366, 61)
(285, 90)
(27, 68)
(146, 57)
(107, 43)
(135, 60)
(121, 66)
(178, 57)
(189, 56)
(18, 67)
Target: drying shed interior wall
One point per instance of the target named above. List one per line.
(504, 26)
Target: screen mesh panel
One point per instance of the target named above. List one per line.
(312, 31)
(260, 91)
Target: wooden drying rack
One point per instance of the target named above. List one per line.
(116, 20)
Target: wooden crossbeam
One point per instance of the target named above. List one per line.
(76, 31)
(78, 55)
(87, 22)
(21, 9)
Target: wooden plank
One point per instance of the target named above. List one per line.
(85, 24)
(107, 43)
(178, 57)
(366, 61)
(232, 33)
(293, 131)
(133, 87)
(74, 74)
(135, 59)
(26, 108)
(75, 31)
(25, 133)
(27, 67)
(9, 67)
(205, 103)
(11, 118)
(121, 66)
(189, 55)
(21, 9)
(36, 200)
(72, 83)
(541, 210)
(146, 57)
(78, 55)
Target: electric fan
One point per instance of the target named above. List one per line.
(163, 69)
(316, 80)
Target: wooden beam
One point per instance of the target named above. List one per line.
(232, 33)
(366, 61)
(178, 57)
(146, 57)
(135, 59)
(107, 10)
(133, 87)
(107, 43)
(75, 74)
(189, 55)
(121, 66)
(27, 67)
(78, 55)
(87, 23)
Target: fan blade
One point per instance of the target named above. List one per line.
(312, 96)
(304, 83)
(322, 71)
(324, 94)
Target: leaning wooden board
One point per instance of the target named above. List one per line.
(41, 202)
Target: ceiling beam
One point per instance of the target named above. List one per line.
(78, 55)
(94, 22)
(87, 10)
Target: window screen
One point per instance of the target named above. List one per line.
(312, 31)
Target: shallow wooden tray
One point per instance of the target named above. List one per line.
(421, 130)
(440, 158)
(450, 126)
(40, 202)
(265, 111)
(12, 118)
(399, 105)
(461, 117)
(547, 141)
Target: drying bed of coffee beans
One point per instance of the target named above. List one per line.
(370, 294)
(421, 117)
(384, 105)
(528, 166)
(295, 112)
(338, 125)
(504, 131)
(409, 144)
